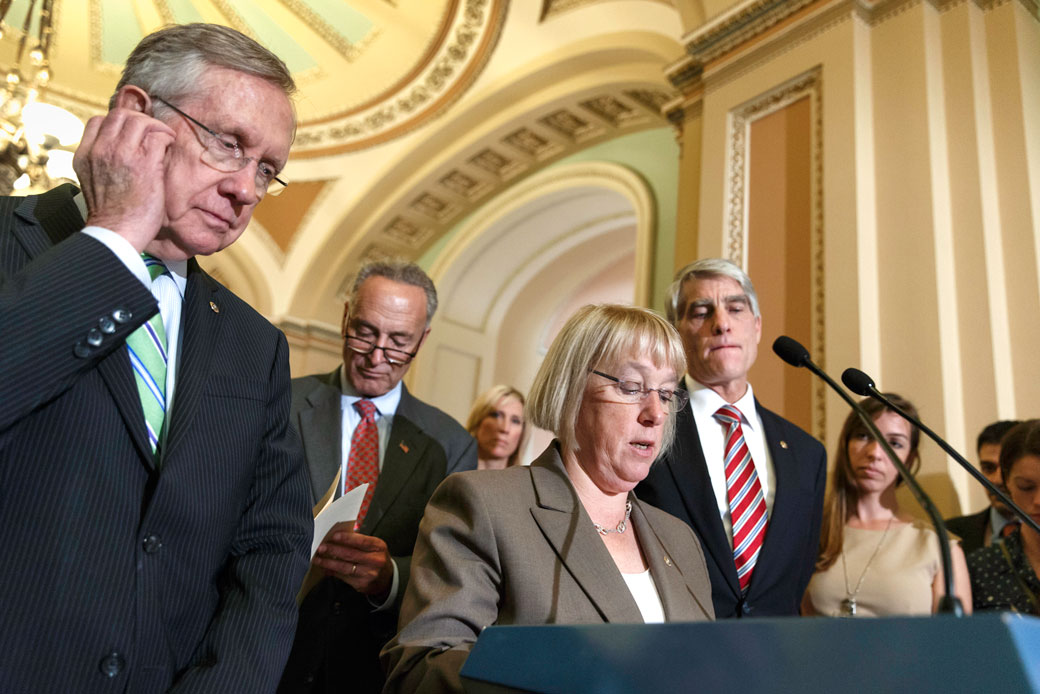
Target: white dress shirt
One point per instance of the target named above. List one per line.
(705, 402)
(386, 407)
(997, 521)
(167, 289)
(644, 592)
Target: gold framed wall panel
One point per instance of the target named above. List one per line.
(807, 85)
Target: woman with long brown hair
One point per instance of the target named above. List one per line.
(875, 559)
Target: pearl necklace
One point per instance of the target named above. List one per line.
(621, 526)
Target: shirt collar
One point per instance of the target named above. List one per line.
(386, 404)
(997, 521)
(706, 402)
(178, 268)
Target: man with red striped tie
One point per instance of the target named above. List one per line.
(749, 482)
(360, 424)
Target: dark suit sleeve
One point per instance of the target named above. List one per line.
(248, 640)
(818, 458)
(461, 452)
(453, 594)
(51, 305)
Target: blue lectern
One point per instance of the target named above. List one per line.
(922, 655)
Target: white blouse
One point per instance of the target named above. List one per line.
(643, 590)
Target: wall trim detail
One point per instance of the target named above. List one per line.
(808, 84)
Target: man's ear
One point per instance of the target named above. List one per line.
(422, 340)
(343, 323)
(133, 98)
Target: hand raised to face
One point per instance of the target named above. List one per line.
(120, 164)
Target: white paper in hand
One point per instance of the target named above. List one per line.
(345, 508)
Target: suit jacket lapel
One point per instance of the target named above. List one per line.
(568, 528)
(784, 519)
(56, 214)
(671, 584)
(201, 325)
(320, 424)
(690, 470)
(405, 447)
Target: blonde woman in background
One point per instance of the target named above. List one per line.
(497, 423)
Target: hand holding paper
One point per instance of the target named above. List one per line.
(343, 510)
(361, 561)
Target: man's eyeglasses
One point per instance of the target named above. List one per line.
(634, 392)
(223, 153)
(393, 355)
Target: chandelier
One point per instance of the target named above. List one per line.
(37, 139)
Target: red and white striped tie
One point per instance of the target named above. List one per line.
(747, 505)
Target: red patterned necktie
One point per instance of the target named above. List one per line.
(1010, 527)
(747, 505)
(363, 465)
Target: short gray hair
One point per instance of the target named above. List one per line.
(703, 268)
(597, 337)
(170, 62)
(396, 271)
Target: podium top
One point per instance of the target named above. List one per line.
(985, 653)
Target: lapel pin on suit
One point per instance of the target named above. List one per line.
(213, 307)
(783, 444)
(667, 560)
(404, 446)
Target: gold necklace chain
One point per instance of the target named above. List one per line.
(848, 605)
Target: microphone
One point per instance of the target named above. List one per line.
(861, 384)
(792, 352)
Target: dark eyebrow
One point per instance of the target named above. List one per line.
(357, 322)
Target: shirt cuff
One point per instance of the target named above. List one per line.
(123, 250)
(394, 585)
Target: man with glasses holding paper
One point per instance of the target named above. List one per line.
(153, 509)
(360, 424)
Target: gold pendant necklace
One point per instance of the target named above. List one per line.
(848, 605)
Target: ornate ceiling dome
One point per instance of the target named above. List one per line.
(368, 70)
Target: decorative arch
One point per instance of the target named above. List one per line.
(558, 237)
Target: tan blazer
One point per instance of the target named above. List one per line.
(516, 546)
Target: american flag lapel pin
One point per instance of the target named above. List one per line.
(404, 446)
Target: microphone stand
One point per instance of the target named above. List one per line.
(792, 352)
(861, 384)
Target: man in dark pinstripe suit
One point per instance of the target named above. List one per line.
(131, 565)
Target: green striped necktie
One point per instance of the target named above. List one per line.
(147, 348)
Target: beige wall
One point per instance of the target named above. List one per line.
(914, 226)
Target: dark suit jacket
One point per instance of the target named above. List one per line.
(118, 576)
(339, 635)
(516, 546)
(971, 529)
(678, 483)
